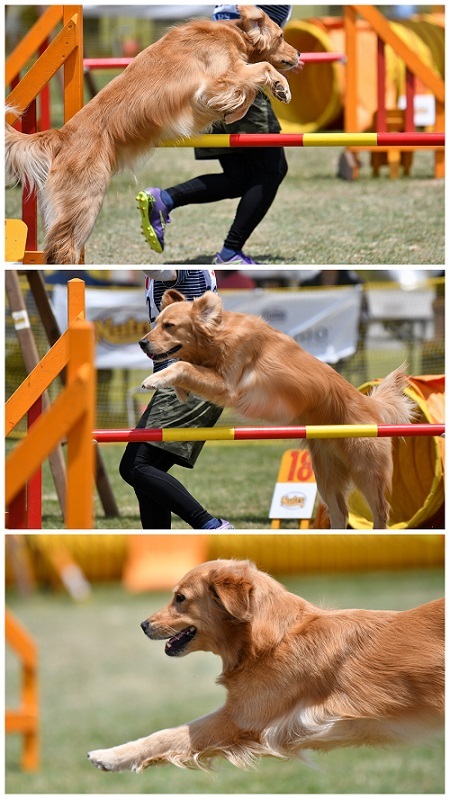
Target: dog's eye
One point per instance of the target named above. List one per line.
(168, 325)
(179, 598)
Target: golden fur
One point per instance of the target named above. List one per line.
(197, 73)
(297, 676)
(239, 361)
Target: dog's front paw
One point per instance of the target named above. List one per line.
(282, 92)
(101, 758)
(118, 758)
(154, 381)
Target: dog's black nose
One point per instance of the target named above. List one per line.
(145, 625)
(143, 344)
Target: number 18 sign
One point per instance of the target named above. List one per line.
(296, 490)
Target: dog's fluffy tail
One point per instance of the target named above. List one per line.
(392, 404)
(28, 157)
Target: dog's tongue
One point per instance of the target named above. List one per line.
(177, 643)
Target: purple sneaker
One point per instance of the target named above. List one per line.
(224, 525)
(238, 258)
(154, 217)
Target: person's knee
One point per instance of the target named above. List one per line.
(283, 170)
(126, 470)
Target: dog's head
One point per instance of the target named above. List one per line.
(183, 329)
(209, 608)
(265, 39)
(227, 607)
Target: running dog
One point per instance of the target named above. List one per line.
(297, 676)
(198, 73)
(240, 361)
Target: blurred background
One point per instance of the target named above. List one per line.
(84, 676)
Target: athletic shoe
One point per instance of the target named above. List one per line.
(238, 258)
(224, 525)
(154, 217)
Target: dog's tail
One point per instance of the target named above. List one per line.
(28, 157)
(393, 405)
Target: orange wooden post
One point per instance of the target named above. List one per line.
(73, 65)
(75, 299)
(439, 158)
(80, 444)
(31, 42)
(39, 379)
(351, 73)
(25, 720)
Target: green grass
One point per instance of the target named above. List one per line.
(102, 683)
(234, 481)
(315, 219)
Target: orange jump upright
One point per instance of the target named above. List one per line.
(72, 415)
(25, 720)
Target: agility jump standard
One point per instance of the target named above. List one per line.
(266, 433)
(411, 139)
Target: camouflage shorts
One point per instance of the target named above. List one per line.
(165, 410)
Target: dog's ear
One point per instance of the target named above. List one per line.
(256, 24)
(170, 296)
(232, 590)
(209, 310)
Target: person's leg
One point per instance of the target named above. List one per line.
(160, 494)
(156, 204)
(153, 515)
(268, 170)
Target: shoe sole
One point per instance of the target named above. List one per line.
(143, 202)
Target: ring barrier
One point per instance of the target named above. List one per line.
(268, 433)
(412, 139)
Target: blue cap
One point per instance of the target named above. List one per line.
(226, 12)
(278, 14)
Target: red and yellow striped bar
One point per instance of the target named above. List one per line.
(430, 140)
(121, 63)
(268, 433)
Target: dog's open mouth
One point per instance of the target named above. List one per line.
(163, 356)
(179, 642)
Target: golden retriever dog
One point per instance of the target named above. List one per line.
(298, 677)
(238, 360)
(199, 72)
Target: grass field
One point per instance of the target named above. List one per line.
(234, 481)
(316, 218)
(102, 683)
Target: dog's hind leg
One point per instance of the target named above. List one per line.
(376, 456)
(332, 483)
(374, 491)
(72, 203)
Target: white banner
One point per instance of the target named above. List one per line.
(324, 322)
(121, 320)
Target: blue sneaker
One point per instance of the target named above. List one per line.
(154, 217)
(238, 258)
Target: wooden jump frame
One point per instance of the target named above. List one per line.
(25, 719)
(415, 68)
(71, 415)
(66, 50)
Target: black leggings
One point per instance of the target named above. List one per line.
(159, 494)
(254, 175)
